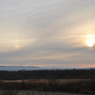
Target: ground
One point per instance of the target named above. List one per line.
(36, 93)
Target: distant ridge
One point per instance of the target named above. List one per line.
(16, 68)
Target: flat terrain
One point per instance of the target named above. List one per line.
(36, 93)
(46, 93)
(61, 81)
(58, 85)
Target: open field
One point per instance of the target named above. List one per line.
(50, 85)
(60, 81)
(66, 81)
(35, 93)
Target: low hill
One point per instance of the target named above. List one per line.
(16, 68)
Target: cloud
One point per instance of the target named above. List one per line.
(48, 33)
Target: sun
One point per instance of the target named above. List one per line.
(90, 42)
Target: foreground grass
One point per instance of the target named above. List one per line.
(21, 92)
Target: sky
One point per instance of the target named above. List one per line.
(47, 33)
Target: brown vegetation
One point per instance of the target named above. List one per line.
(64, 85)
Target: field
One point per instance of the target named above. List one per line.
(60, 81)
(36, 86)
(35, 93)
(65, 81)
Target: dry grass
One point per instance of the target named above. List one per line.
(60, 81)
(35, 93)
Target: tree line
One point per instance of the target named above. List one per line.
(48, 74)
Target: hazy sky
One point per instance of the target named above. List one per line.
(53, 33)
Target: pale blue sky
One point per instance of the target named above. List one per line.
(53, 33)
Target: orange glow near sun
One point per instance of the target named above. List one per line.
(17, 46)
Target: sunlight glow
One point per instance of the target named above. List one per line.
(90, 41)
(17, 46)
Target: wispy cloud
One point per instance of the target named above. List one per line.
(46, 33)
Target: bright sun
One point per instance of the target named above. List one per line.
(90, 42)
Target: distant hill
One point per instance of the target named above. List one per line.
(16, 68)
